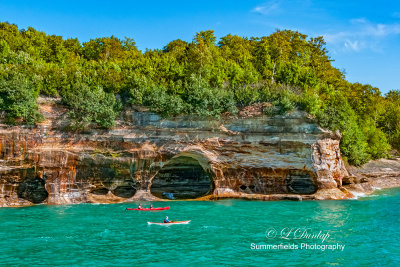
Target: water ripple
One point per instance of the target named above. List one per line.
(220, 233)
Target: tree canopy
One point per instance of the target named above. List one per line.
(206, 76)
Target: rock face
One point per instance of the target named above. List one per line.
(147, 157)
(377, 174)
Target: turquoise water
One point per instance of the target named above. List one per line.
(220, 233)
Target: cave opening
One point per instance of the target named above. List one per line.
(100, 191)
(33, 190)
(300, 182)
(125, 191)
(183, 177)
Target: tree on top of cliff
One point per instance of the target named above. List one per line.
(89, 106)
(18, 99)
(205, 77)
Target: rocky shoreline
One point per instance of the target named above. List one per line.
(377, 174)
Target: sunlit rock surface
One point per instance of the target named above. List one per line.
(146, 157)
(376, 174)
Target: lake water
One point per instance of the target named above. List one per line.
(227, 232)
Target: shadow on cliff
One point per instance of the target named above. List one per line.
(186, 176)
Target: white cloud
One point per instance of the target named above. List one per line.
(267, 7)
(334, 38)
(362, 34)
(353, 45)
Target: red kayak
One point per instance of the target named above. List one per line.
(149, 209)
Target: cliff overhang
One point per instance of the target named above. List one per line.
(147, 157)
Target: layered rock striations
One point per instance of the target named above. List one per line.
(147, 157)
(376, 174)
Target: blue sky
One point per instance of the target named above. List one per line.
(362, 36)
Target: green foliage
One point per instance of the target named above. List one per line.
(378, 146)
(90, 106)
(337, 114)
(285, 101)
(311, 102)
(159, 101)
(283, 98)
(205, 77)
(207, 101)
(18, 99)
(4, 51)
(246, 95)
(389, 121)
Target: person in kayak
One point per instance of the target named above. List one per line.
(140, 206)
(166, 220)
(151, 206)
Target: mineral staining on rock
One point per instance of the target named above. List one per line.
(280, 157)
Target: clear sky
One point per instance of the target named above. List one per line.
(362, 36)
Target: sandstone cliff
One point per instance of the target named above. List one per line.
(147, 157)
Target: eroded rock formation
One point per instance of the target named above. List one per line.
(376, 174)
(147, 157)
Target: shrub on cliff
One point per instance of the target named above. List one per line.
(159, 101)
(389, 121)
(18, 99)
(246, 95)
(284, 98)
(90, 106)
(378, 146)
(336, 114)
(205, 100)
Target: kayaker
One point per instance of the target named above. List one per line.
(151, 206)
(166, 220)
(140, 206)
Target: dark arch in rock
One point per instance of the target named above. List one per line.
(100, 191)
(300, 182)
(125, 191)
(33, 189)
(186, 176)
